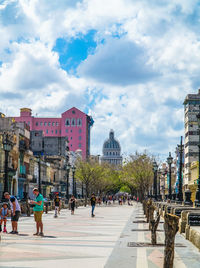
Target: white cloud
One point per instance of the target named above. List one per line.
(135, 40)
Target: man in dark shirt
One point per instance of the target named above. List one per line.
(93, 203)
(57, 205)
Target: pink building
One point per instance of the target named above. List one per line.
(73, 124)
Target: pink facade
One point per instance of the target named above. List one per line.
(73, 124)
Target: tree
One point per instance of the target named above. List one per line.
(138, 174)
(100, 179)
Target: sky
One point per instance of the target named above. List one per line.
(127, 63)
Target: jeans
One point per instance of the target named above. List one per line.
(93, 207)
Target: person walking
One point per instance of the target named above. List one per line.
(72, 202)
(93, 203)
(3, 216)
(15, 211)
(38, 211)
(57, 205)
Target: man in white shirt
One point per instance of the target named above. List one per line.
(15, 211)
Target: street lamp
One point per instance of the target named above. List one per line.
(74, 183)
(169, 161)
(67, 186)
(197, 201)
(180, 182)
(155, 169)
(7, 146)
(159, 178)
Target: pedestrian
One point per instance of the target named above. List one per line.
(57, 205)
(38, 211)
(72, 202)
(3, 216)
(15, 211)
(93, 203)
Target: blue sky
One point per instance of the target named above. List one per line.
(128, 63)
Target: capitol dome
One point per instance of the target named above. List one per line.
(112, 150)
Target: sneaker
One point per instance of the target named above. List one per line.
(12, 232)
(36, 234)
(41, 234)
(15, 232)
(4, 230)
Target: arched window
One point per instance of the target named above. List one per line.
(79, 122)
(73, 122)
(113, 153)
(67, 122)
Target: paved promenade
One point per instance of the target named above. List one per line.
(70, 241)
(81, 241)
(186, 255)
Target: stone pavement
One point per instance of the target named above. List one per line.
(81, 241)
(186, 255)
(70, 241)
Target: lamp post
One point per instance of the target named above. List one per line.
(7, 146)
(155, 169)
(159, 178)
(197, 200)
(169, 161)
(180, 182)
(67, 186)
(74, 183)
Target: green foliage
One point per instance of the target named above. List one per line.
(125, 189)
(138, 173)
(97, 178)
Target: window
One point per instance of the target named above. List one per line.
(71, 138)
(79, 145)
(73, 112)
(71, 130)
(113, 153)
(36, 134)
(79, 138)
(80, 130)
(49, 124)
(36, 123)
(41, 123)
(57, 124)
(53, 124)
(52, 132)
(71, 145)
(67, 122)
(73, 122)
(56, 131)
(45, 123)
(66, 130)
(79, 122)
(29, 123)
(60, 131)
(47, 131)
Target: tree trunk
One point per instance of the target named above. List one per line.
(154, 226)
(151, 212)
(171, 228)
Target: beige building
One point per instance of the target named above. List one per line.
(194, 171)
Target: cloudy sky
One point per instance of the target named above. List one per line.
(128, 63)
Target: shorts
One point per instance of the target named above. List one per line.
(16, 216)
(38, 216)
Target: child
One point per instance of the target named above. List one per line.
(3, 216)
